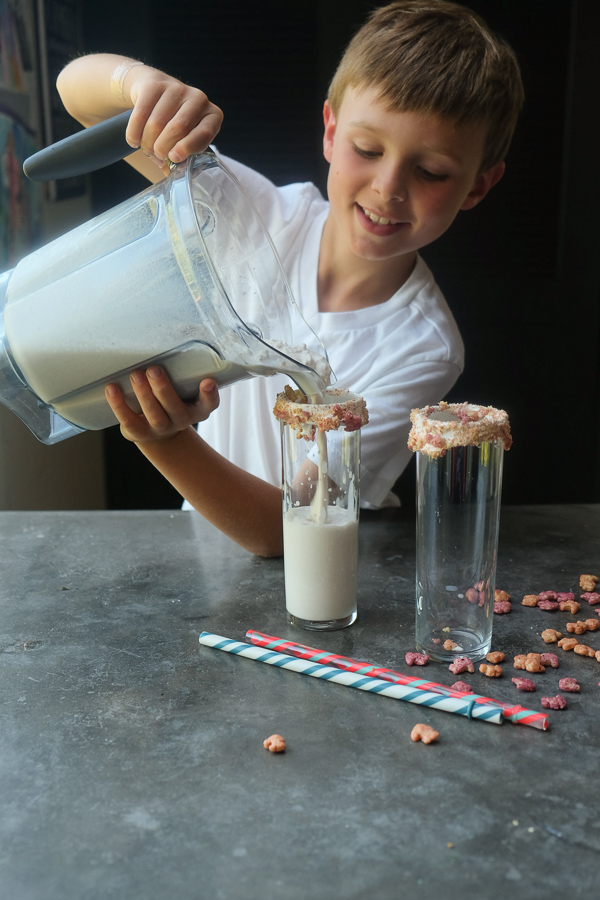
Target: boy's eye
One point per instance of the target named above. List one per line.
(431, 176)
(367, 154)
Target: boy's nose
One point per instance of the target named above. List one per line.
(391, 184)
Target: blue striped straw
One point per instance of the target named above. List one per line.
(466, 707)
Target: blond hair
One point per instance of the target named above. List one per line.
(440, 58)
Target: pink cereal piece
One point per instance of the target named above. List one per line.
(548, 605)
(564, 597)
(547, 595)
(501, 607)
(472, 595)
(549, 659)
(557, 702)
(416, 659)
(462, 686)
(524, 684)
(461, 664)
(592, 597)
(569, 684)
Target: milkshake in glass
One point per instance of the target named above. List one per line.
(321, 463)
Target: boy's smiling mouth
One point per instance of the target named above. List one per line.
(379, 220)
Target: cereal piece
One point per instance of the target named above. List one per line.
(547, 595)
(275, 743)
(472, 595)
(598, 655)
(501, 596)
(588, 582)
(462, 686)
(578, 627)
(501, 607)
(416, 659)
(557, 702)
(568, 643)
(490, 671)
(571, 606)
(549, 659)
(569, 684)
(551, 635)
(496, 656)
(524, 684)
(563, 596)
(592, 624)
(530, 662)
(530, 600)
(449, 645)
(548, 605)
(424, 733)
(592, 597)
(584, 650)
(461, 664)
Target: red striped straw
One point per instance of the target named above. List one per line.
(516, 714)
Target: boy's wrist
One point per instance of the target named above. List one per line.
(117, 78)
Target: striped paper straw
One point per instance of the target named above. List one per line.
(464, 706)
(516, 714)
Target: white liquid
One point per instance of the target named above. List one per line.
(321, 564)
(116, 293)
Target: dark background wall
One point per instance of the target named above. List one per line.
(521, 272)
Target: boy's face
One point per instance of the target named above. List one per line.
(398, 179)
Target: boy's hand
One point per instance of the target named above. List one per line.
(164, 413)
(170, 120)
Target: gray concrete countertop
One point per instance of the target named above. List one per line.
(131, 758)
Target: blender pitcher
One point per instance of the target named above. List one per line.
(184, 274)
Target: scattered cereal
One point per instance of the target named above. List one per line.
(547, 595)
(461, 664)
(569, 684)
(592, 597)
(416, 659)
(549, 659)
(530, 600)
(449, 645)
(588, 582)
(501, 595)
(490, 671)
(501, 607)
(571, 606)
(548, 605)
(583, 650)
(524, 684)
(531, 662)
(275, 743)
(568, 643)
(557, 702)
(462, 686)
(424, 733)
(551, 635)
(580, 627)
(496, 656)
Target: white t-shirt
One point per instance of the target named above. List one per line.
(398, 355)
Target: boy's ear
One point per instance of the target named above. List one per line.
(482, 184)
(329, 120)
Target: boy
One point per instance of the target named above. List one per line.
(418, 120)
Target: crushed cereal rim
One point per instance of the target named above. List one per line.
(436, 429)
(340, 409)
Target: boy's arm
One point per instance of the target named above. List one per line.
(170, 120)
(244, 507)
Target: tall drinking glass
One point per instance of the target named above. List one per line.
(460, 450)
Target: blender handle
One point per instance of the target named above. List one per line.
(82, 152)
